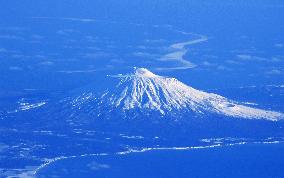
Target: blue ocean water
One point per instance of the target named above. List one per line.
(53, 50)
(236, 161)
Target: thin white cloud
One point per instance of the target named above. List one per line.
(178, 52)
(279, 45)
(92, 39)
(171, 68)
(184, 32)
(191, 42)
(244, 56)
(79, 19)
(174, 56)
(97, 55)
(275, 72)
(77, 71)
(247, 57)
(155, 40)
(46, 63)
(233, 62)
(221, 67)
(145, 55)
(209, 64)
(107, 67)
(67, 19)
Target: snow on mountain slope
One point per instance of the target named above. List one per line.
(143, 89)
(146, 91)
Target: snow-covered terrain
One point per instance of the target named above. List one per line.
(142, 90)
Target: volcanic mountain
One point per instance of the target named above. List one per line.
(142, 91)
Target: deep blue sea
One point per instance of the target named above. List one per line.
(232, 161)
(51, 51)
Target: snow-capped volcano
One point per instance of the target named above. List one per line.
(145, 91)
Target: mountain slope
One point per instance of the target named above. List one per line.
(144, 91)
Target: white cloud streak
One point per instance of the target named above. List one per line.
(178, 52)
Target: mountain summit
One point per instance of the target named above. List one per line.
(146, 92)
(143, 72)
